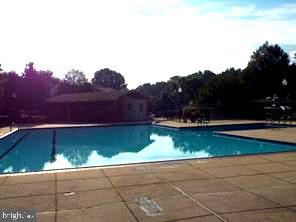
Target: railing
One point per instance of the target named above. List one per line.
(279, 115)
(12, 126)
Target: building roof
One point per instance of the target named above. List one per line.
(107, 89)
(94, 96)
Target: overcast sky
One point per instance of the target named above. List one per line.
(145, 40)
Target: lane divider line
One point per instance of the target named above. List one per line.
(53, 150)
(14, 145)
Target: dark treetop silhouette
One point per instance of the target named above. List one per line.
(233, 91)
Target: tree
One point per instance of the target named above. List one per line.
(266, 70)
(176, 93)
(34, 87)
(75, 77)
(181, 90)
(108, 78)
(291, 80)
(64, 87)
(165, 103)
(153, 91)
(9, 87)
(191, 83)
(225, 91)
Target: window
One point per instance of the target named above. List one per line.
(129, 106)
(141, 108)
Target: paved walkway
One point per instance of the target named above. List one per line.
(278, 134)
(250, 188)
(4, 130)
(177, 124)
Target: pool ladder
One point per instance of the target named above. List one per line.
(12, 126)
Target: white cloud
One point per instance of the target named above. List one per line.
(292, 56)
(242, 11)
(145, 40)
(285, 11)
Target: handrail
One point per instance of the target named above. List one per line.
(13, 124)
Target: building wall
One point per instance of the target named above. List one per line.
(57, 112)
(2, 102)
(134, 109)
(127, 108)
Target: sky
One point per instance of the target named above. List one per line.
(144, 40)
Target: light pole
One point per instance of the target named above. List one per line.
(180, 110)
(12, 107)
(285, 84)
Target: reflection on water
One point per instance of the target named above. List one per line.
(83, 147)
(149, 153)
(134, 144)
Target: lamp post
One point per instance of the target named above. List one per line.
(12, 107)
(180, 111)
(285, 84)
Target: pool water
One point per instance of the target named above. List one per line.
(47, 149)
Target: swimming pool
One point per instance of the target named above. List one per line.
(47, 149)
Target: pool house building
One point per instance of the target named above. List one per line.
(100, 107)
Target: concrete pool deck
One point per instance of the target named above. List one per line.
(283, 134)
(177, 124)
(245, 188)
(287, 135)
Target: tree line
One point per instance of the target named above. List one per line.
(233, 91)
(29, 90)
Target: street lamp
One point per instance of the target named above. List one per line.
(284, 84)
(179, 90)
(12, 108)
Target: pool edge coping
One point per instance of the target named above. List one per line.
(222, 133)
(7, 134)
(77, 126)
(64, 170)
(152, 162)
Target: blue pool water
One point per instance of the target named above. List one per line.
(46, 149)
